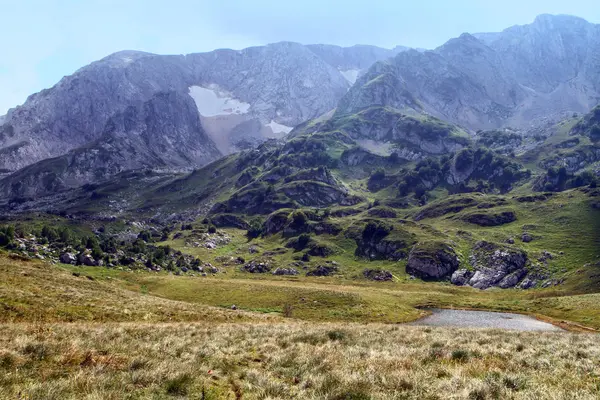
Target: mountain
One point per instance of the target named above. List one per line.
(241, 96)
(162, 133)
(516, 78)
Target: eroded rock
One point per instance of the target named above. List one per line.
(432, 260)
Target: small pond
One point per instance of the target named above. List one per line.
(484, 319)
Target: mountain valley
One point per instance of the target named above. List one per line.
(355, 188)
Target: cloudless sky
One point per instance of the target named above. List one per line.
(44, 40)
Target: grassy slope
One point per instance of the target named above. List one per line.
(231, 355)
(33, 291)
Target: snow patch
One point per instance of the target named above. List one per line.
(351, 75)
(279, 128)
(213, 101)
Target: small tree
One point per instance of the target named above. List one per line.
(255, 229)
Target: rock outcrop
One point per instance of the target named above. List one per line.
(493, 265)
(432, 261)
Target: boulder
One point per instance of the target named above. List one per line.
(276, 222)
(257, 267)
(323, 270)
(377, 275)
(68, 258)
(526, 238)
(461, 277)
(432, 260)
(496, 265)
(285, 271)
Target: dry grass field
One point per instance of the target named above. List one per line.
(293, 360)
(78, 335)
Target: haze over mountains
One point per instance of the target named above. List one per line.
(135, 110)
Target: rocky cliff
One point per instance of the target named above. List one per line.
(517, 77)
(252, 94)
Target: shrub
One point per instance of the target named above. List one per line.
(179, 386)
(145, 236)
(464, 159)
(7, 235)
(336, 335)
(212, 229)
(255, 229)
(460, 355)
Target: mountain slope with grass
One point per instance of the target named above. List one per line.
(325, 203)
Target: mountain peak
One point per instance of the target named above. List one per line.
(553, 19)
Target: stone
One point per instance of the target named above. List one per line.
(285, 271)
(323, 270)
(526, 238)
(461, 277)
(496, 265)
(257, 267)
(68, 258)
(433, 260)
(88, 260)
(377, 275)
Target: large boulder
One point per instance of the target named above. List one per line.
(432, 261)
(276, 222)
(493, 265)
(257, 267)
(68, 258)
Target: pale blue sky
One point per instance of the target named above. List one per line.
(43, 40)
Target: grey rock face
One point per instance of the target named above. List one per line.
(494, 265)
(284, 82)
(486, 81)
(432, 261)
(68, 258)
(163, 132)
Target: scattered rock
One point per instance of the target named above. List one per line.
(377, 275)
(285, 271)
(68, 258)
(234, 307)
(526, 238)
(323, 270)
(257, 267)
(461, 277)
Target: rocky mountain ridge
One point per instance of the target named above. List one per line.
(515, 78)
(262, 91)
